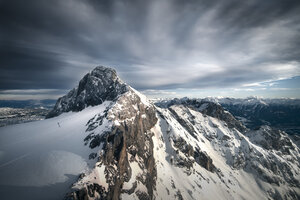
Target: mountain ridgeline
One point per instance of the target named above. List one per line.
(178, 149)
(279, 113)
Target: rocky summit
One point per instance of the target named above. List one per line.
(119, 145)
(94, 88)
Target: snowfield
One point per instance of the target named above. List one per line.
(42, 154)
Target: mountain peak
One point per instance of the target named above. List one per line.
(99, 71)
(101, 84)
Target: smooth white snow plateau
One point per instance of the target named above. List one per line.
(44, 157)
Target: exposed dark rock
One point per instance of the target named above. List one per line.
(182, 145)
(92, 156)
(131, 137)
(272, 139)
(204, 160)
(238, 161)
(206, 108)
(96, 141)
(184, 162)
(178, 195)
(173, 184)
(296, 139)
(81, 176)
(142, 195)
(217, 111)
(94, 88)
(86, 193)
(92, 188)
(183, 123)
(77, 195)
(200, 157)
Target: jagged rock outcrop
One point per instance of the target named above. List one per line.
(277, 143)
(128, 141)
(94, 88)
(198, 136)
(207, 108)
(271, 139)
(120, 137)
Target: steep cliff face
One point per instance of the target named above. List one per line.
(101, 84)
(120, 137)
(123, 147)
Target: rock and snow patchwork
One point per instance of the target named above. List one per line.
(127, 148)
(242, 169)
(196, 156)
(125, 151)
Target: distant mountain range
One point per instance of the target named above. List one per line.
(254, 112)
(46, 103)
(21, 111)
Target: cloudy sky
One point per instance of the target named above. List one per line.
(164, 48)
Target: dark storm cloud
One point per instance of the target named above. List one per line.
(152, 44)
(30, 68)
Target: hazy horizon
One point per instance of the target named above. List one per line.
(263, 91)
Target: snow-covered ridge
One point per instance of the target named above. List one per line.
(206, 107)
(253, 112)
(249, 101)
(244, 168)
(255, 101)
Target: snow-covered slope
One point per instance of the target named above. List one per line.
(39, 160)
(127, 148)
(234, 166)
